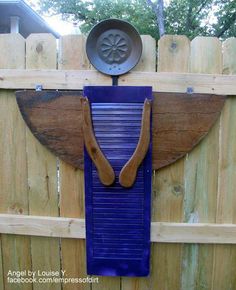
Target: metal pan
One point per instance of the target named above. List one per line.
(114, 47)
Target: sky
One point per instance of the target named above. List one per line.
(62, 27)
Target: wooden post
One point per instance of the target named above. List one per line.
(168, 183)
(42, 169)
(201, 173)
(225, 255)
(13, 166)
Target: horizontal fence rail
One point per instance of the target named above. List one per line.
(161, 232)
(160, 82)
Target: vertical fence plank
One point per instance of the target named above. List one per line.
(225, 255)
(72, 53)
(42, 168)
(168, 184)
(13, 165)
(41, 51)
(147, 61)
(72, 56)
(173, 54)
(201, 176)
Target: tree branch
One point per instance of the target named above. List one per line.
(161, 17)
(227, 25)
(153, 6)
(158, 9)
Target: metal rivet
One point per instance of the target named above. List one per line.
(190, 90)
(38, 87)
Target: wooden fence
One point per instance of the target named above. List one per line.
(200, 188)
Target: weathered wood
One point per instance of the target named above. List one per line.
(8, 44)
(13, 165)
(147, 61)
(74, 228)
(173, 52)
(201, 174)
(40, 51)
(55, 118)
(180, 121)
(128, 173)
(168, 183)
(161, 82)
(72, 53)
(225, 256)
(105, 171)
(73, 252)
(42, 168)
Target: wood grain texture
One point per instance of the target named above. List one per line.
(10, 60)
(147, 61)
(40, 51)
(201, 176)
(13, 165)
(172, 50)
(105, 171)
(168, 183)
(55, 118)
(180, 121)
(42, 168)
(72, 54)
(161, 232)
(225, 256)
(76, 80)
(128, 173)
(73, 252)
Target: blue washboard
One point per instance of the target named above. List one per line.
(117, 219)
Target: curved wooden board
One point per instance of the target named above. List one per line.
(55, 119)
(180, 121)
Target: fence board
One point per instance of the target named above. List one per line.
(71, 180)
(225, 256)
(173, 54)
(76, 80)
(42, 168)
(13, 167)
(201, 168)
(147, 61)
(168, 185)
(72, 53)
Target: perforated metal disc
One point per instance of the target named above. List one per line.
(114, 47)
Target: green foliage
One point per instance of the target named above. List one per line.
(189, 17)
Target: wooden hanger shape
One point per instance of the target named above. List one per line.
(105, 171)
(129, 171)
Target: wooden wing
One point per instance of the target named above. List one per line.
(180, 121)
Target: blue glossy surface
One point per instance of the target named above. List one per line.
(118, 219)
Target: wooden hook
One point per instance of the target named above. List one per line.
(129, 171)
(105, 171)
